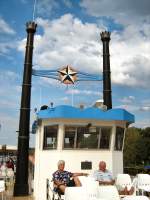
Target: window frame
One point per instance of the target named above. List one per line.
(115, 149)
(75, 138)
(86, 148)
(45, 147)
(110, 137)
(99, 137)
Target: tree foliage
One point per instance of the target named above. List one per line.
(137, 147)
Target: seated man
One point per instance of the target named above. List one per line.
(103, 176)
(62, 178)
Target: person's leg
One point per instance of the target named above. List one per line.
(121, 192)
(77, 181)
(131, 191)
(62, 188)
(124, 191)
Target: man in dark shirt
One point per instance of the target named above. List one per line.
(63, 179)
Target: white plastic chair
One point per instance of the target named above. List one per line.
(82, 193)
(88, 181)
(50, 193)
(143, 183)
(2, 188)
(109, 192)
(124, 180)
(135, 198)
(75, 193)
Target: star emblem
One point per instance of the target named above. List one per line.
(67, 75)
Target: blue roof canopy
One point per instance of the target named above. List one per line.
(92, 113)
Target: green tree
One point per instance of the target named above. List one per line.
(130, 146)
(137, 147)
(143, 147)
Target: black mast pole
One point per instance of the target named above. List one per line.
(105, 37)
(21, 183)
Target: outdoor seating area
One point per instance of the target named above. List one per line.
(91, 190)
(6, 174)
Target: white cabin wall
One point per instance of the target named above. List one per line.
(46, 160)
(48, 164)
(117, 162)
(37, 162)
(117, 156)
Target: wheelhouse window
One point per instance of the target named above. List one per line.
(119, 138)
(105, 138)
(69, 139)
(50, 137)
(87, 138)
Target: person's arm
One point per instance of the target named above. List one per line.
(79, 174)
(58, 183)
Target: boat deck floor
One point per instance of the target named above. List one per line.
(8, 195)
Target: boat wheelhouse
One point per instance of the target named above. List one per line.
(80, 136)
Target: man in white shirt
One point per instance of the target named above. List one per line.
(103, 176)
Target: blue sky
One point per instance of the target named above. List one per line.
(68, 33)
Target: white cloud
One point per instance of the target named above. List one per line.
(146, 101)
(65, 99)
(8, 136)
(9, 127)
(131, 104)
(129, 107)
(46, 7)
(5, 103)
(122, 11)
(9, 90)
(142, 123)
(52, 82)
(5, 47)
(5, 28)
(67, 40)
(84, 92)
(130, 57)
(8, 76)
(145, 108)
(127, 100)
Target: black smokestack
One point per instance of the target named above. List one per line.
(105, 37)
(21, 183)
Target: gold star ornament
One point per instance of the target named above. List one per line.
(67, 75)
